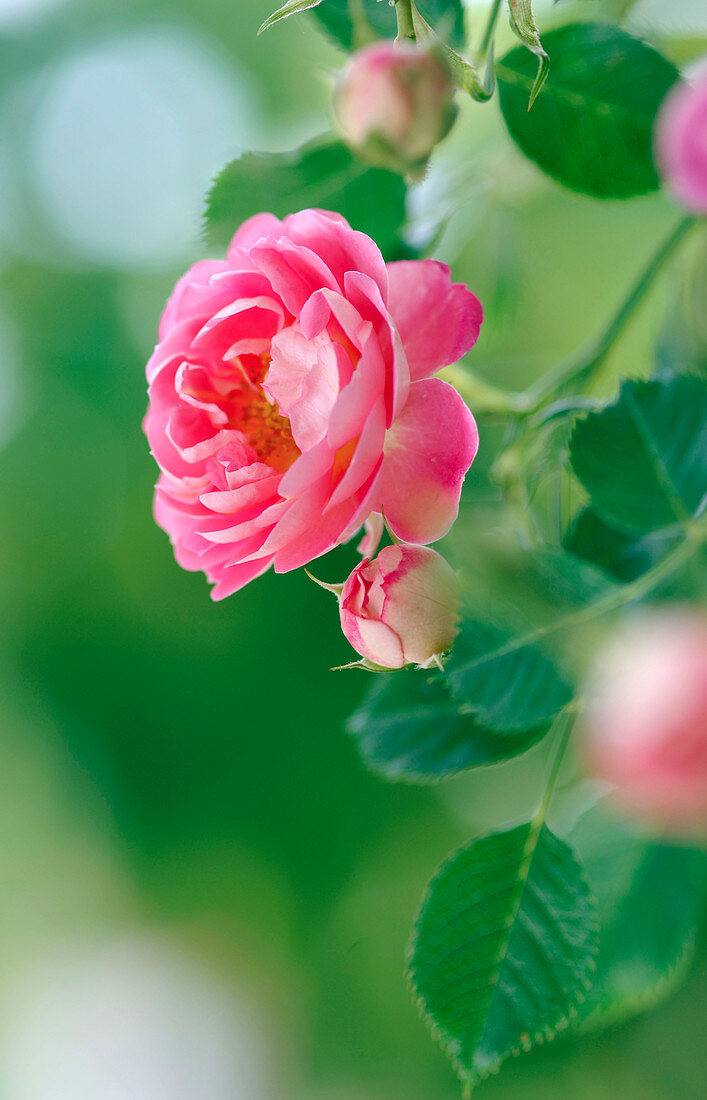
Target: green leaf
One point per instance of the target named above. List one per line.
(323, 174)
(410, 728)
(592, 127)
(503, 947)
(446, 16)
(643, 460)
(619, 554)
(565, 578)
(650, 898)
(292, 7)
(524, 25)
(507, 683)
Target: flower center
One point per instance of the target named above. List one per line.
(267, 431)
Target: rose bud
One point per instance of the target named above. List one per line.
(681, 143)
(393, 103)
(402, 607)
(646, 726)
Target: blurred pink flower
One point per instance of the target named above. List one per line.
(402, 607)
(646, 725)
(290, 397)
(393, 103)
(681, 143)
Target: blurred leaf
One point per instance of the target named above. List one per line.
(503, 947)
(650, 897)
(409, 727)
(323, 174)
(524, 25)
(681, 347)
(565, 577)
(643, 460)
(617, 553)
(446, 16)
(507, 683)
(290, 8)
(592, 128)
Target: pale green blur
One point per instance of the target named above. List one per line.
(197, 874)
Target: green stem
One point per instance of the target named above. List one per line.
(565, 721)
(581, 366)
(695, 534)
(484, 398)
(362, 31)
(489, 32)
(406, 27)
(695, 537)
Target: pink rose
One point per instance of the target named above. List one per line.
(393, 103)
(290, 398)
(401, 608)
(681, 143)
(646, 726)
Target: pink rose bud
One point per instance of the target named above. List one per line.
(681, 143)
(646, 726)
(394, 102)
(401, 608)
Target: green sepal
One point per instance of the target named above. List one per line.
(292, 7)
(524, 25)
(462, 71)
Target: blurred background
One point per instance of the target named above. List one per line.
(203, 893)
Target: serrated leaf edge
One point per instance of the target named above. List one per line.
(545, 1035)
(356, 723)
(616, 1012)
(627, 391)
(288, 159)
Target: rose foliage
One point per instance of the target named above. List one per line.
(293, 402)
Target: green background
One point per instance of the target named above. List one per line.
(180, 807)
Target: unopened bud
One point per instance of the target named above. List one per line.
(401, 608)
(645, 730)
(393, 103)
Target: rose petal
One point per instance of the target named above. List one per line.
(427, 453)
(438, 320)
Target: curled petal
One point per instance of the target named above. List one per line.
(342, 248)
(253, 230)
(193, 294)
(294, 272)
(373, 533)
(427, 453)
(438, 320)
